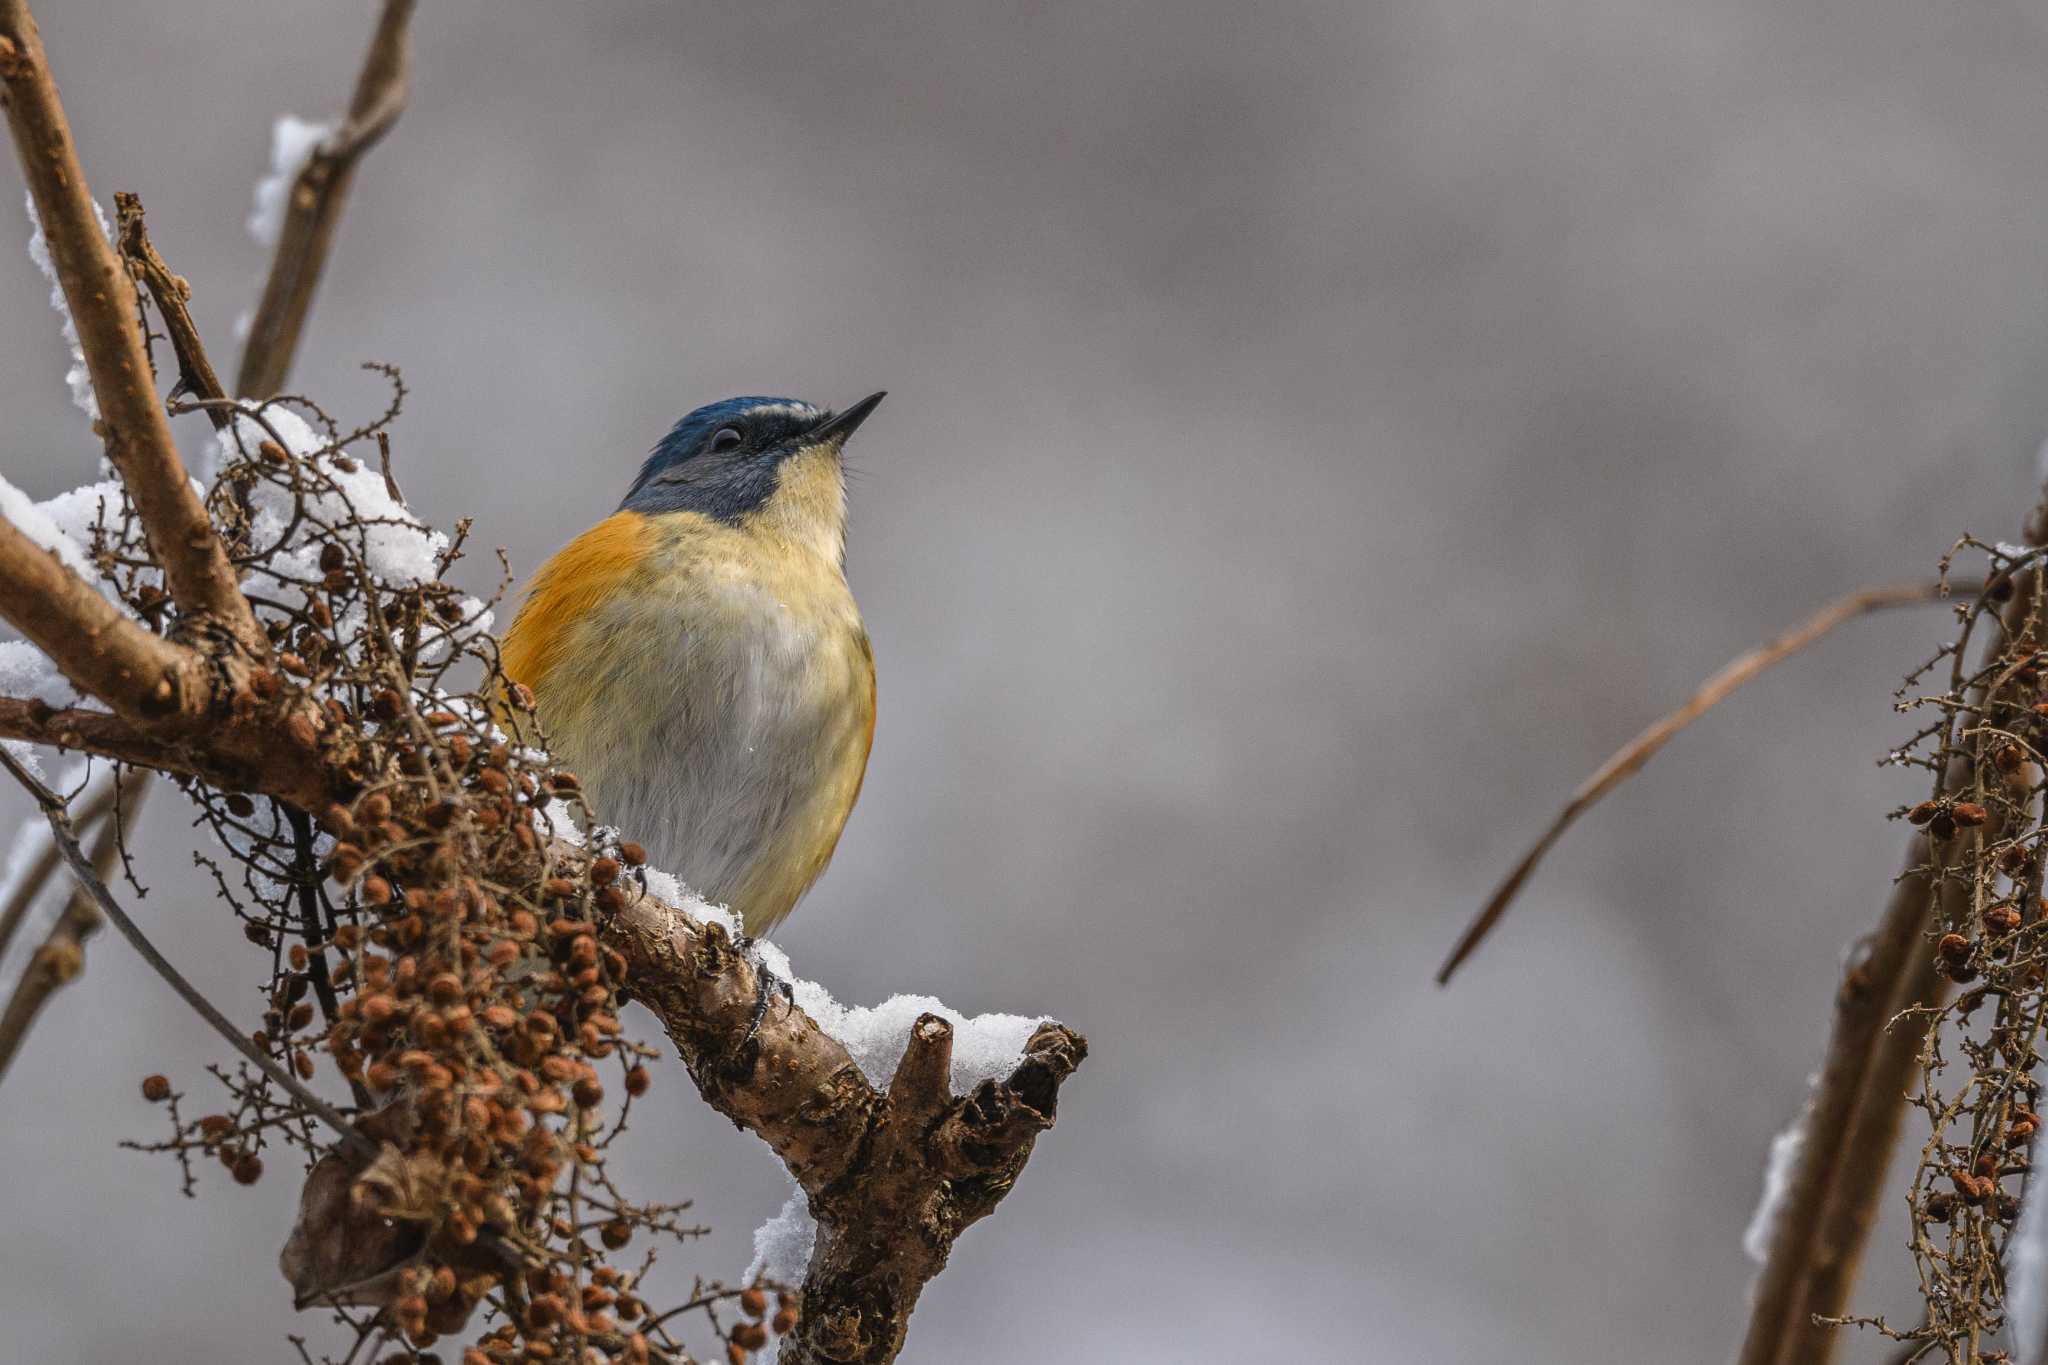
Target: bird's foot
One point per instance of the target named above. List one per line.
(766, 985)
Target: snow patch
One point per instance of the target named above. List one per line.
(1779, 1167)
(78, 377)
(293, 141)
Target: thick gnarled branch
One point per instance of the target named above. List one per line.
(893, 1176)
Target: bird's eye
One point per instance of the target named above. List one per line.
(724, 439)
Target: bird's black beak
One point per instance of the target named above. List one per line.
(835, 429)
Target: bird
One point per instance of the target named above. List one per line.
(697, 659)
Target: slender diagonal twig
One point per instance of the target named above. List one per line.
(89, 882)
(62, 955)
(36, 877)
(1630, 758)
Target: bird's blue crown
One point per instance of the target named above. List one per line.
(721, 460)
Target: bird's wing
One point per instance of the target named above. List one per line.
(568, 588)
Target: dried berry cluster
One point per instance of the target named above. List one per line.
(434, 946)
(1983, 745)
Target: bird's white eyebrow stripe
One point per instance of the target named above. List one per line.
(783, 410)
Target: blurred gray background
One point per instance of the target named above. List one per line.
(1318, 433)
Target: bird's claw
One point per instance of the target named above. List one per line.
(766, 984)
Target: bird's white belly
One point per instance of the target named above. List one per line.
(731, 745)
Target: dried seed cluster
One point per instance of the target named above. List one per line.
(1982, 745)
(434, 949)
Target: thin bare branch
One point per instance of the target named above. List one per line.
(95, 889)
(314, 206)
(197, 571)
(1630, 758)
(170, 291)
(62, 955)
(28, 890)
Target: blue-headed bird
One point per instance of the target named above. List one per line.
(698, 661)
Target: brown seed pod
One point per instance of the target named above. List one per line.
(633, 854)
(751, 1335)
(603, 871)
(2000, 920)
(1968, 814)
(735, 1354)
(1954, 949)
(1939, 1207)
(247, 1169)
(1923, 812)
(616, 1233)
(156, 1089)
(753, 1302)
(346, 863)
(638, 1080)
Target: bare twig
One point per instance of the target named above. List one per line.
(90, 884)
(102, 301)
(170, 291)
(315, 203)
(1630, 758)
(36, 876)
(1850, 1130)
(62, 955)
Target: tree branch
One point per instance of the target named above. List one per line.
(170, 291)
(1883, 1010)
(1627, 761)
(95, 890)
(144, 677)
(197, 571)
(28, 890)
(892, 1177)
(315, 203)
(62, 955)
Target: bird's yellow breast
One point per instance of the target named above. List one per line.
(713, 687)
